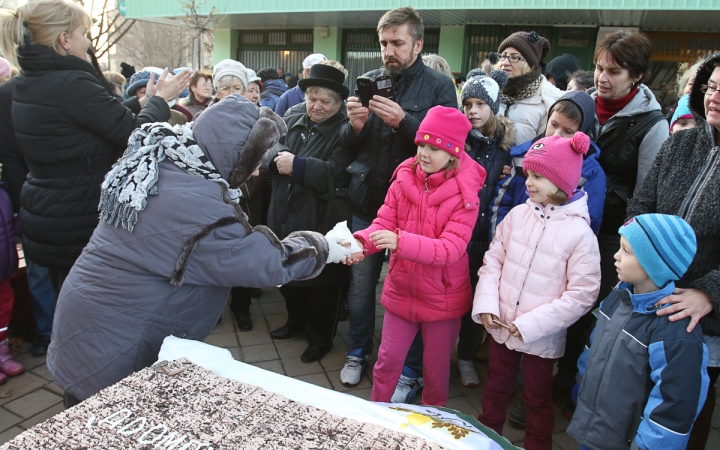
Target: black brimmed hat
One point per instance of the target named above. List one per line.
(322, 75)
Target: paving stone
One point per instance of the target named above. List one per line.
(294, 367)
(289, 348)
(463, 405)
(9, 434)
(21, 385)
(29, 361)
(334, 361)
(33, 403)
(361, 393)
(273, 308)
(275, 321)
(8, 419)
(258, 353)
(338, 386)
(54, 388)
(254, 337)
(236, 353)
(318, 379)
(273, 366)
(224, 340)
(226, 325)
(565, 442)
(42, 416)
(256, 310)
(43, 371)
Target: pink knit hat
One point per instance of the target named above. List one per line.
(559, 160)
(444, 128)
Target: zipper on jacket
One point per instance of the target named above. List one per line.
(421, 217)
(613, 338)
(690, 202)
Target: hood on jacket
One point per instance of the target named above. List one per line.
(587, 107)
(644, 101)
(508, 139)
(234, 134)
(697, 98)
(278, 84)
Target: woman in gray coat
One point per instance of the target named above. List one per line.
(171, 242)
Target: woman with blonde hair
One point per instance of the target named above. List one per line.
(69, 128)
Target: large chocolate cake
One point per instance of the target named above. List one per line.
(183, 406)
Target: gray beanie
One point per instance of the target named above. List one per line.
(230, 67)
(486, 88)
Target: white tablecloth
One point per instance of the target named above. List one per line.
(437, 425)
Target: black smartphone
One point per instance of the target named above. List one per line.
(382, 86)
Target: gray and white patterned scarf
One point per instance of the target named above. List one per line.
(126, 187)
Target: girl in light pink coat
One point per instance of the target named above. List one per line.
(540, 275)
(426, 222)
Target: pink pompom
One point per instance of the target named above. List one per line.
(580, 143)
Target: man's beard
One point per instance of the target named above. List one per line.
(395, 70)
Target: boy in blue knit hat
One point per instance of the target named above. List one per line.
(643, 378)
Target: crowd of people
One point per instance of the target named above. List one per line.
(554, 215)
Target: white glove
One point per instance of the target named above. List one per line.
(337, 253)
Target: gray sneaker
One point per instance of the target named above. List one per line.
(408, 385)
(352, 371)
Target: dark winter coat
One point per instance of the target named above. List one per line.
(685, 181)
(380, 148)
(492, 154)
(71, 131)
(314, 197)
(644, 378)
(129, 290)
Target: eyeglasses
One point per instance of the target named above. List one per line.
(235, 89)
(707, 89)
(512, 58)
(204, 84)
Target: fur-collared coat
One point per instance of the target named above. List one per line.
(172, 274)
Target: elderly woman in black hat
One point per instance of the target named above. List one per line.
(309, 185)
(527, 96)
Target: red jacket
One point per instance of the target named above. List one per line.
(429, 276)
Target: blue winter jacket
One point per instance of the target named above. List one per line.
(512, 191)
(272, 90)
(290, 98)
(643, 378)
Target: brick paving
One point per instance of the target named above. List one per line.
(33, 397)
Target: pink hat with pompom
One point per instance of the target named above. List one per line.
(559, 160)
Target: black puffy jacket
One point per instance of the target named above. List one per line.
(380, 148)
(314, 197)
(492, 154)
(70, 131)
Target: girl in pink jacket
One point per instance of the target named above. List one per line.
(426, 222)
(540, 275)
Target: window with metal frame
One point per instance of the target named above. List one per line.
(258, 49)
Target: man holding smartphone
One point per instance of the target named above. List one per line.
(382, 135)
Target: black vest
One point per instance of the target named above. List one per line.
(619, 159)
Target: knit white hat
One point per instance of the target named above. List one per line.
(230, 67)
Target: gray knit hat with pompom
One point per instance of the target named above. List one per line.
(485, 87)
